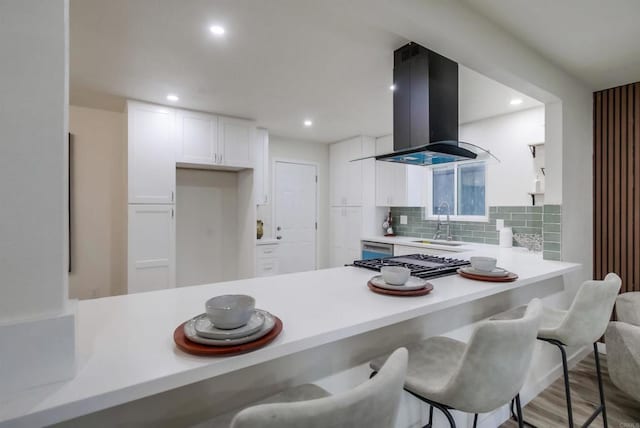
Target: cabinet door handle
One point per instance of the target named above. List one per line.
(172, 213)
(172, 196)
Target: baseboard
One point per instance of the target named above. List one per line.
(602, 348)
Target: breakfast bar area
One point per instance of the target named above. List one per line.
(129, 368)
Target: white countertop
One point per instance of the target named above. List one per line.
(126, 348)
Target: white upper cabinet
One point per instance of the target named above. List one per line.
(346, 176)
(261, 167)
(196, 138)
(207, 139)
(398, 185)
(236, 141)
(151, 154)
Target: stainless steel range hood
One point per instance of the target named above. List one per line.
(425, 110)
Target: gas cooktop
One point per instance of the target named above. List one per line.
(421, 265)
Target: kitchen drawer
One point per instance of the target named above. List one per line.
(263, 251)
(267, 266)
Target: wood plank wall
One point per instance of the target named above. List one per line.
(616, 186)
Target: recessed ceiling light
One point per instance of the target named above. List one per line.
(515, 101)
(217, 30)
(308, 122)
(172, 97)
(392, 87)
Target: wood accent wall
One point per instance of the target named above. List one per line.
(616, 186)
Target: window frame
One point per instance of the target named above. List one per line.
(428, 211)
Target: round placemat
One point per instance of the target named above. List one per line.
(411, 293)
(190, 347)
(509, 278)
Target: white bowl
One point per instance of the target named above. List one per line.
(230, 310)
(486, 264)
(395, 275)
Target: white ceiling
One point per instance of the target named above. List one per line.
(595, 40)
(280, 62)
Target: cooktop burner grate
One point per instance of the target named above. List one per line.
(421, 265)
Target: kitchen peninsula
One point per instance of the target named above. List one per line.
(126, 351)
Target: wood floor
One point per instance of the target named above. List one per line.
(549, 409)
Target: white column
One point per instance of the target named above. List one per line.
(36, 324)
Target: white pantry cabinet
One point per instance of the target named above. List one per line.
(151, 248)
(261, 167)
(197, 138)
(346, 229)
(346, 176)
(151, 154)
(236, 141)
(398, 185)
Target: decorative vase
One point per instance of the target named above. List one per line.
(260, 229)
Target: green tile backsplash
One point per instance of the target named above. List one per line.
(542, 220)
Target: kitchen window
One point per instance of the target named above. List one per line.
(459, 190)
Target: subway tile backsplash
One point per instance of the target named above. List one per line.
(541, 220)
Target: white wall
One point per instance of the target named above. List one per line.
(33, 158)
(206, 226)
(99, 211)
(287, 149)
(507, 136)
(37, 331)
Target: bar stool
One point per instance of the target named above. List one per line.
(477, 377)
(581, 325)
(372, 404)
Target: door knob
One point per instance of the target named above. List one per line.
(278, 228)
(278, 237)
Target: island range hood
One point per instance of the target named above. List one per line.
(425, 110)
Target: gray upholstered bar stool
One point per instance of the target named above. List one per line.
(582, 325)
(477, 377)
(623, 345)
(372, 404)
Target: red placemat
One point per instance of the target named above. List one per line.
(509, 278)
(190, 347)
(409, 293)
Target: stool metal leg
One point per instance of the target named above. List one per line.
(444, 409)
(567, 389)
(517, 415)
(599, 373)
(519, 410)
(475, 420)
(602, 407)
(430, 425)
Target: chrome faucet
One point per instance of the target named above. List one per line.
(438, 233)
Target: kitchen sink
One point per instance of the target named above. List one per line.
(438, 242)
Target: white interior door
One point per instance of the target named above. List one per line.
(295, 196)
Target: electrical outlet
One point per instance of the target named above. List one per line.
(403, 219)
(499, 224)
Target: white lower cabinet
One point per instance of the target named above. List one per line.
(346, 231)
(151, 249)
(267, 263)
